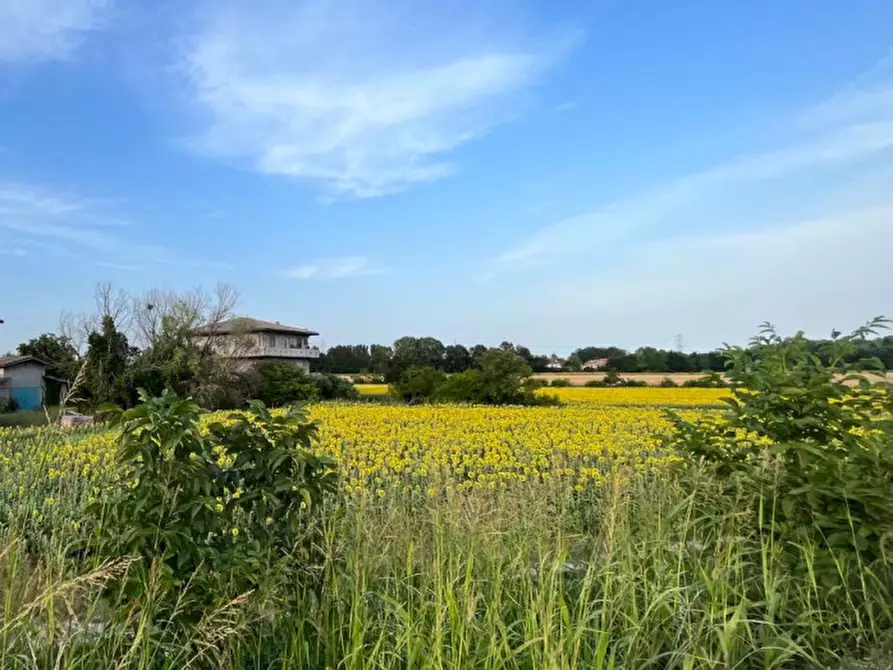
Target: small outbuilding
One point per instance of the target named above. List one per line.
(24, 382)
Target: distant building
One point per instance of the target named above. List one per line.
(23, 380)
(555, 363)
(252, 341)
(594, 364)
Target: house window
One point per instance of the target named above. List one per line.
(271, 341)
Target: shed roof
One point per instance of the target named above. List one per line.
(11, 361)
(244, 324)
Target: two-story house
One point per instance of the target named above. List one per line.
(252, 341)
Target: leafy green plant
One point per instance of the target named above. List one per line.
(283, 384)
(467, 386)
(808, 436)
(418, 383)
(560, 383)
(332, 387)
(214, 511)
(709, 380)
(501, 378)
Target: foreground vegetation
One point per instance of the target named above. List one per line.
(603, 533)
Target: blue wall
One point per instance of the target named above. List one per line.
(27, 397)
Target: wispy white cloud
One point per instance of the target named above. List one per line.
(14, 251)
(47, 30)
(124, 267)
(334, 268)
(77, 227)
(364, 98)
(854, 128)
(815, 274)
(870, 95)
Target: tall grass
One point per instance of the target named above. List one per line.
(639, 573)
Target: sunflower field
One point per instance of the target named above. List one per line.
(557, 537)
(48, 473)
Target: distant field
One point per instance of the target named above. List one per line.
(372, 389)
(654, 397)
(650, 378)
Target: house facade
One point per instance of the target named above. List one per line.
(22, 381)
(595, 364)
(555, 363)
(253, 341)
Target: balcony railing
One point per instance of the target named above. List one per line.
(284, 352)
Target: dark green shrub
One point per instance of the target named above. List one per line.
(595, 383)
(501, 378)
(709, 380)
(668, 383)
(213, 514)
(560, 383)
(419, 384)
(465, 387)
(283, 384)
(612, 378)
(332, 387)
(633, 383)
(809, 439)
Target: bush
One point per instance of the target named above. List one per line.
(561, 383)
(283, 384)
(467, 387)
(612, 378)
(710, 380)
(668, 383)
(333, 387)
(809, 442)
(213, 515)
(418, 384)
(594, 383)
(502, 378)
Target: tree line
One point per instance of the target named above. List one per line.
(391, 361)
(147, 341)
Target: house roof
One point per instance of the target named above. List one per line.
(244, 324)
(10, 361)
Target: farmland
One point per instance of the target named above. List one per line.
(462, 536)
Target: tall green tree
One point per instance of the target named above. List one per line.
(348, 359)
(416, 352)
(380, 356)
(456, 358)
(55, 350)
(108, 356)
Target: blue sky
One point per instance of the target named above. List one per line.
(554, 173)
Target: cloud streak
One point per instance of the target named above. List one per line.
(334, 268)
(364, 99)
(815, 274)
(849, 128)
(77, 227)
(48, 30)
